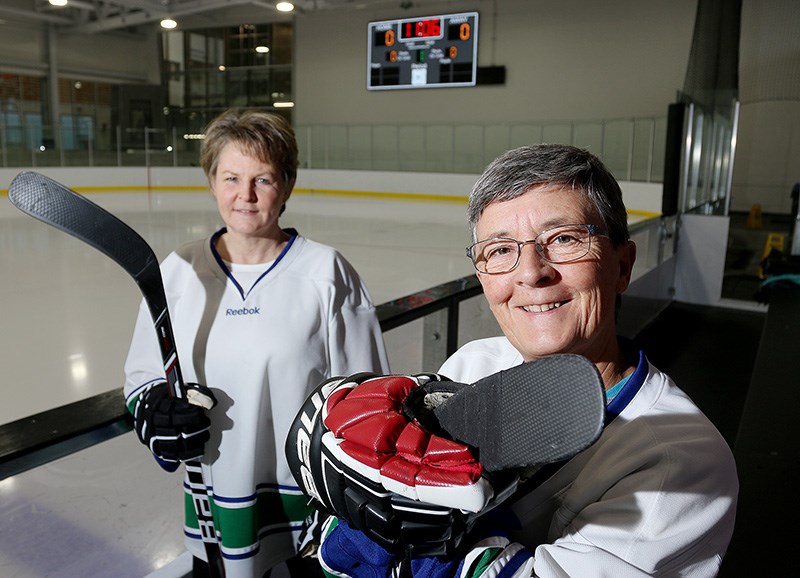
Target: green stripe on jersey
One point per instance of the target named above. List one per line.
(240, 527)
(483, 561)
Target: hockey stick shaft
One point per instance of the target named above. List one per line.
(56, 205)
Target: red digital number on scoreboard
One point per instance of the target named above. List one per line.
(424, 28)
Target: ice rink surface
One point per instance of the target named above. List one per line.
(68, 310)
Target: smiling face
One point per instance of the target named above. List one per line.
(546, 308)
(249, 194)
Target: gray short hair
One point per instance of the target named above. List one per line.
(514, 173)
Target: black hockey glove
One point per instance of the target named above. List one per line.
(175, 429)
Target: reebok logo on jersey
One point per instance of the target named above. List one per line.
(243, 311)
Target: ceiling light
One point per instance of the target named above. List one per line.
(284, 6)
(283, 104)
(58, 2)
(262, 49)
(168, 23)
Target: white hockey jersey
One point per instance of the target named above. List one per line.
(261, 349)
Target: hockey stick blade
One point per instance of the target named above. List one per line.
(539, 412)
(51, 202)
(58, 206)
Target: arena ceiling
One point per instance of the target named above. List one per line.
(97, 16)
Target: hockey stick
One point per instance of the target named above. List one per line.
(540, 412)
(54, 204)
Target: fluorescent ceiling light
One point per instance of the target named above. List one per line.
(283, 104)
(284, 6)
(58, 2)
(168, 23)
(262, 49)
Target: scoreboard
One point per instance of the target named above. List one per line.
(428, 52)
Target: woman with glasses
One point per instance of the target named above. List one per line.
(553, 254)
(656, 494)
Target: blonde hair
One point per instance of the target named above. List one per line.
(268, 137)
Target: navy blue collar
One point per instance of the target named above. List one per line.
(220, 261)
(624, 397)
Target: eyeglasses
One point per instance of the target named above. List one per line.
(562, 244)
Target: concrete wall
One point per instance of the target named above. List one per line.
(767, 162)
(115, 57)
(572, 60)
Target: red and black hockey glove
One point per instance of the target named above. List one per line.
(413, 461)
(359, 454)
(174, 428)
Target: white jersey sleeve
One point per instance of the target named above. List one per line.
(356, 340)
